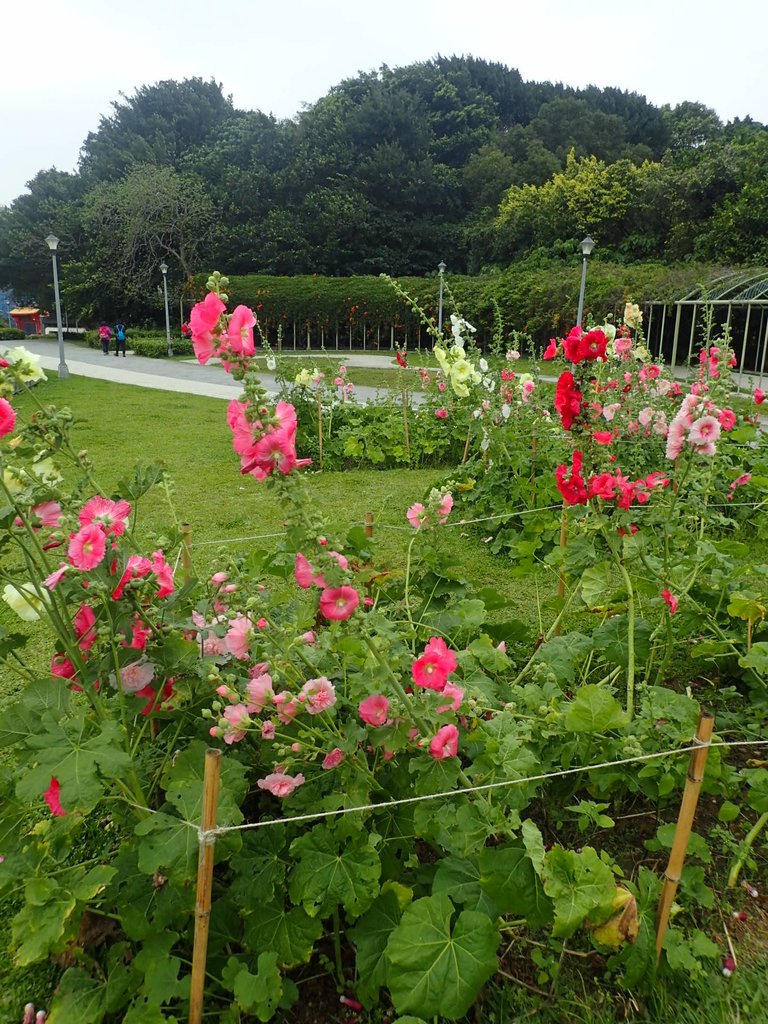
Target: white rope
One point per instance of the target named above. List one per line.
(204, 836)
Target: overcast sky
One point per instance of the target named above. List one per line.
(65, 62)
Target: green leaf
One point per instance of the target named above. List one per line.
(508, 877)
(437, 970)
(459, 877)
(757, 779)
(594, 710)
(40, 927)
(146, 904)
(581, 885)
(160, 970)
(167, 846)
(259, 993)
(78, 997)
(183, 784)
(534, 844)
(746, 606)
(612, 640)
(292, 935)
(328, 873)
(370, 937)
(728, 811)
(563, 654)
(757, 658)
(599, 586)
(21, 720)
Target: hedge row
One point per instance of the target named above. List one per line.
(540, 300)
(11, 334)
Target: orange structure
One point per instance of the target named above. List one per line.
(27, 319)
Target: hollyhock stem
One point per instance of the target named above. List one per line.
(337, 945)
(404, 395)
(630, 638)
(552, 631)
(319, 427)
(466, 445)
(406, 593)
(746, 846)
(396, 685)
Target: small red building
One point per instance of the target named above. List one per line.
(27, 319)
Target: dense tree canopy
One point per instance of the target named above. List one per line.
(455, 158)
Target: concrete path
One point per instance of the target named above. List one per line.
(185, 375)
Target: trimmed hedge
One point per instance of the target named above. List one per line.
(540, 299)
(156, 347)
(11, 334)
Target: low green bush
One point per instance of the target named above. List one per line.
(157, 346)
(11, 334)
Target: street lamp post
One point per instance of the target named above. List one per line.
(441, 268)
(53, 243)
(164, 270)
(587, 245)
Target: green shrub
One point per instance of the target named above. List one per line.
(156, 346)
(11, 334)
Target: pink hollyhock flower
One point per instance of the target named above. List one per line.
(740, 481)
(703, 433)
(444, 506)
(456, 695)
(203, 320)
(441, 386)
(676, 438)
(622, 346)
(260, 693)
(603, 437)
(309, 637)
(333, 758)
(49, 513)
(727, 419)
(416, 516)
(262, 624)
(135, 568)
(218, 578)
(527, 390)
(136, 676)
(62, 667)
(304, 574)
(113, 516)
(239, 636)
(432, 669)
(87, 547)
(164, 574)
(51, 797)
(52, 581)
(373, 710)
(279, 784)
(237, 721)
(268, 730)
(551, 350)
(240, 331)
(609, 411)
(759, 396)
(318, 695)
(445, 744)
(84, 624)
(7, 417)
(441, 414)
(287, 706)
(671, 600)
(338, 602)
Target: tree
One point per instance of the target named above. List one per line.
(151, 215)
(158, 125)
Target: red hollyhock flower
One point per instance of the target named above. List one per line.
(551, 350)
(402, 359)
(51, 797)
(567, 399)
(572, 488)
(338, 602)
(432, 669)
(579, 346)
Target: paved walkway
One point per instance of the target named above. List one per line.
(185, 375)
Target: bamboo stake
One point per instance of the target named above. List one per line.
(369, 524)
(204, 883)
(186, 552)
(688, 804)
(466, 446)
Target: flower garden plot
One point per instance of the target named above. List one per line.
(424, 779)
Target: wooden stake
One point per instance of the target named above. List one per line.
(186, 552)
(204, 883)
(466, 446)
(688, 804)
(369, 524)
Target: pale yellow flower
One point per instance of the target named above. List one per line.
(24, 601)
(304, 378)
(25, 364)
(633, 316)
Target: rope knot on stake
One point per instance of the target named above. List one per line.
(207, 836)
